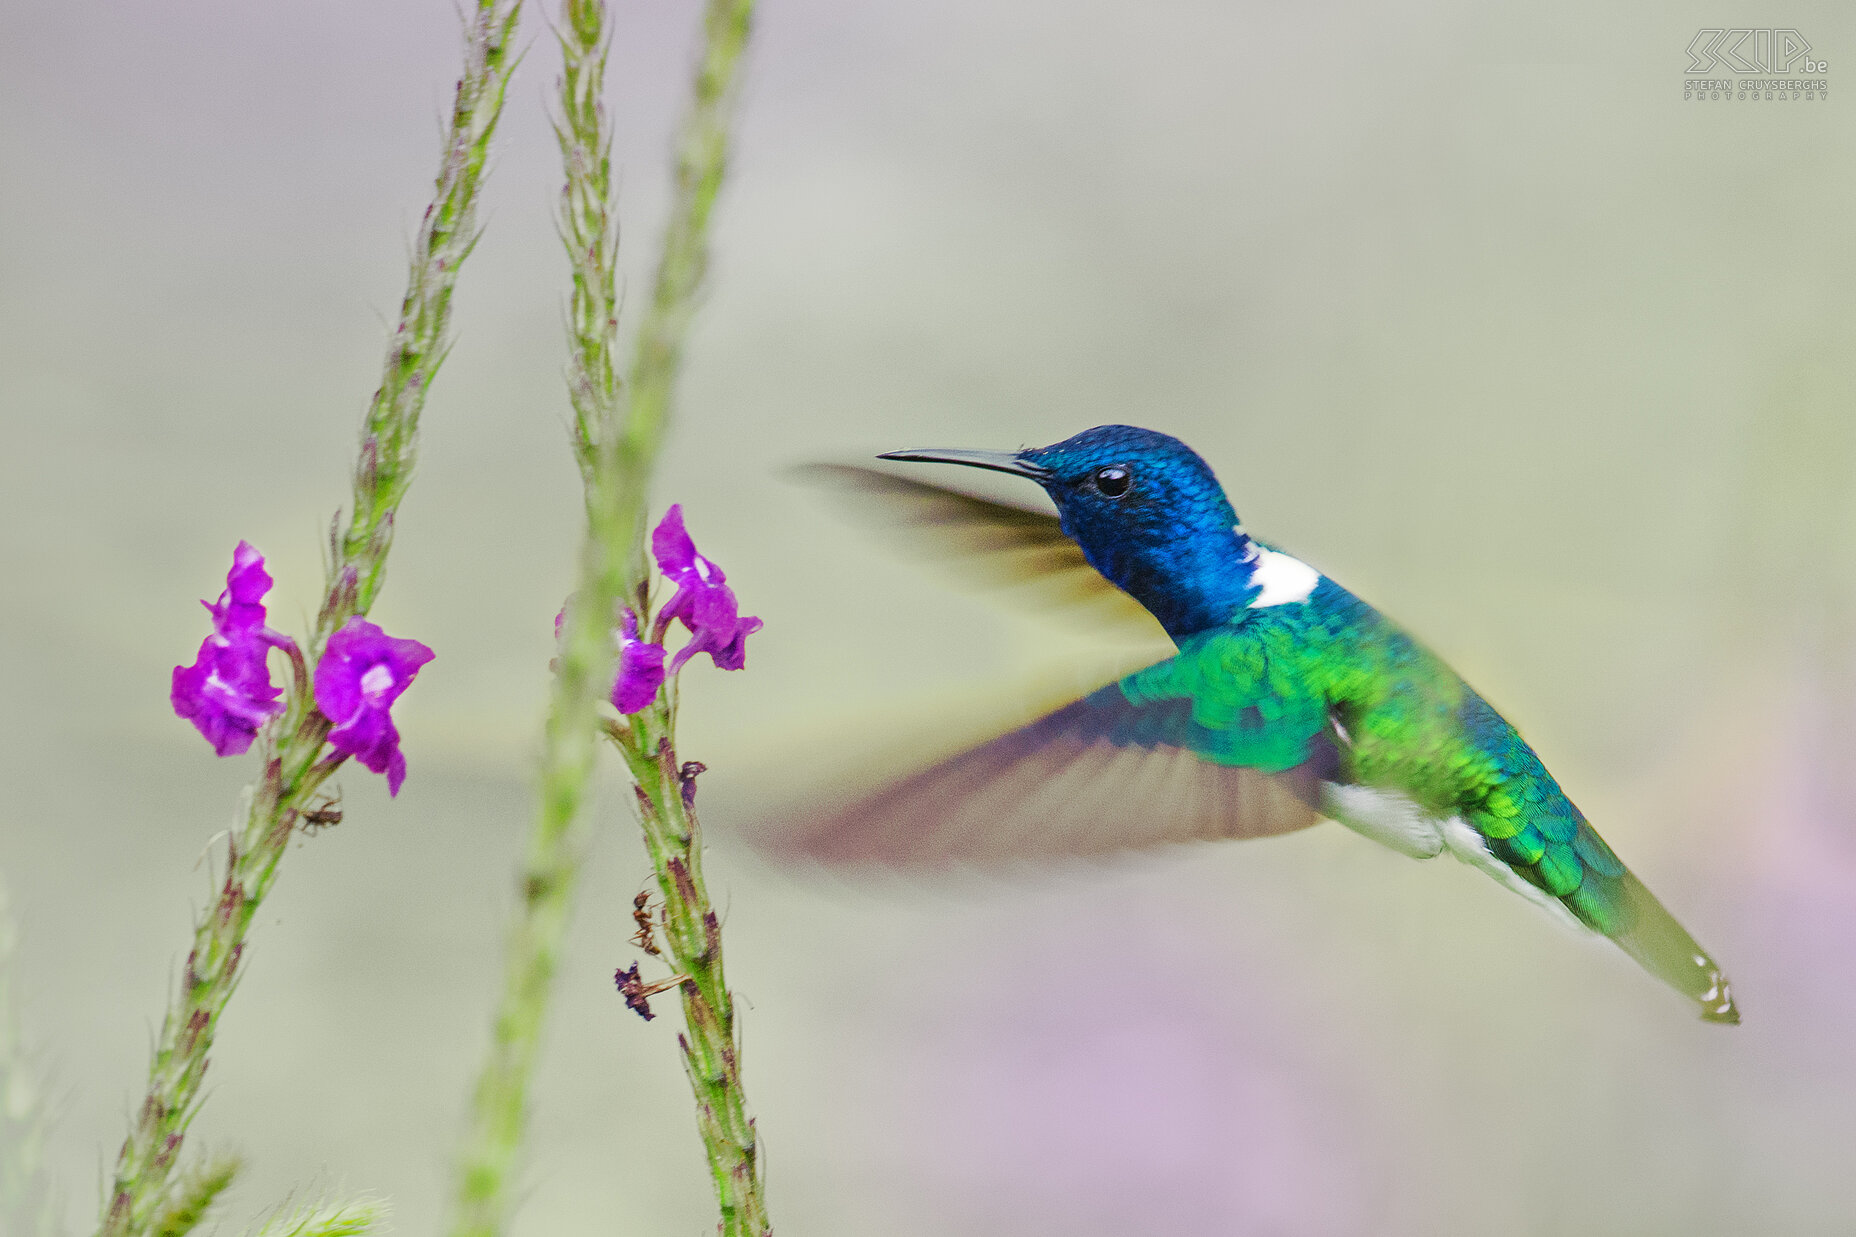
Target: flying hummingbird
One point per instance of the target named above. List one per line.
(1289, 700)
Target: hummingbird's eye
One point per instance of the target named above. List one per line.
(1112, 481)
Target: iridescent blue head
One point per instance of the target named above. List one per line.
(1146, 511)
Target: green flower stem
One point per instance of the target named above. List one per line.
(702, 159)
(194, 1196)
(666, 801)
(140, 1192)
(290, 753)
(557, 841)
(693, 942)
(447, 234)
(616, 444)
(589, 231)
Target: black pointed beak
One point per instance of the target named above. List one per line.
(998, 461)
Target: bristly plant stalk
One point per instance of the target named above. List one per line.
(140, 1190)
(702, 160)
(489, 1160)
(666, 795)
(617, 436)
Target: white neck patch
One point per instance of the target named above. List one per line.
(1282, 579)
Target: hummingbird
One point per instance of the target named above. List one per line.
(1287, 700)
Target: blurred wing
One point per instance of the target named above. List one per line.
(1098, 775)
(988, 544)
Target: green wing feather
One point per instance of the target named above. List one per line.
(1241, 713)
(1108, 772)
(1124, 767)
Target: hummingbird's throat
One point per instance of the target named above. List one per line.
(1198, 582)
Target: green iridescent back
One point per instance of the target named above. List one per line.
(1279, 684)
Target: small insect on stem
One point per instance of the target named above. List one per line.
(645, 938)
(637, 993)
(324, 815)
(686, 782)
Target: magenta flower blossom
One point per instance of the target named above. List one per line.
(227, 693)
(240, 608)
(641, 664)
(362, 672)
(641, 669)
(703, 601)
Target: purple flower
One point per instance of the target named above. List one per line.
(703, 600)
(227, 693)
(641, 663)
(641, 669)
(240, 609)
(362, 672)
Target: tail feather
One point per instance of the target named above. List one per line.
(1643, 929)
(1559, 855)
(1559, 863)
(1611, 900)
(1550, 845)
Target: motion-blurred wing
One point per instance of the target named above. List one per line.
(983, 542)
(1098, 775)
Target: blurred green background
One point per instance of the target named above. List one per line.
(1466, 304)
